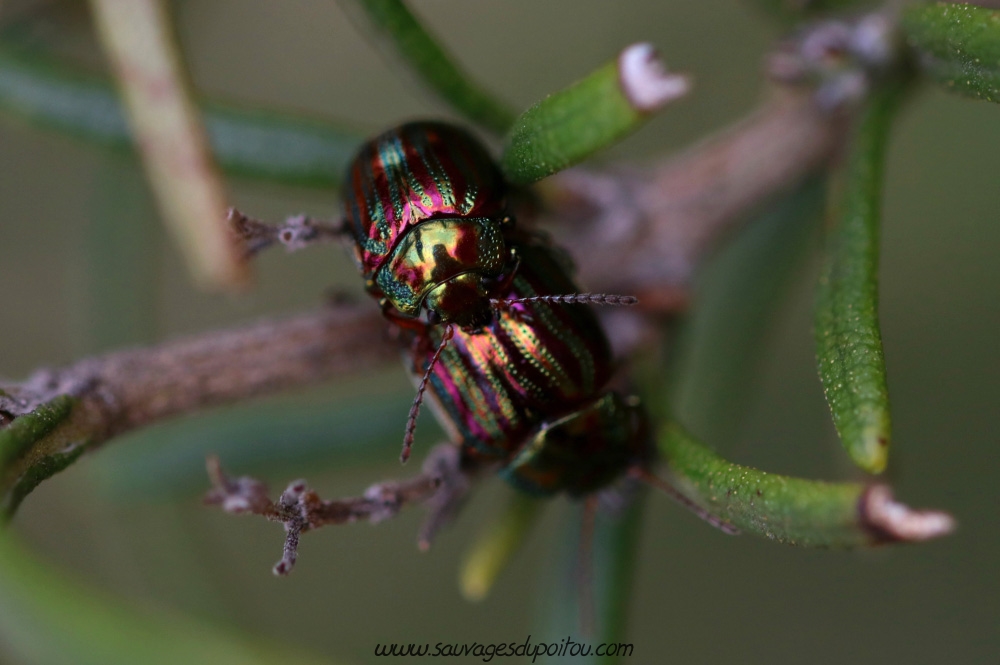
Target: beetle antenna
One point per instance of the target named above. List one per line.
(411, 421)
(568, 299)
(645, 476)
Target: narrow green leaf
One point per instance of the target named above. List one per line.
(790, 510)
(47, 618)
(268, 145)
(616, 554)
(29, 455)
(605, 589)
(570, 125)
(272, 438)
(18, 438)
(280, 146)
(738, 294)
(41, 469)
(958, 45)
(120, 239)
(393, 24)
(496, 545)
(848, 339)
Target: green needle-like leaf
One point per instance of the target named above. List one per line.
(570, 125)
(393, 24)
(848, 340)
(738, 295)
(600, 591)
(47, 618)
(273, 438)
(958, 45)
(279, 147)
(496, 545)
(16, 440)
(616, 551)
(810, 513)
(120, 240)
(34, 447)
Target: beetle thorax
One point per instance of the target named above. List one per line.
(450, 266)
(463, 300)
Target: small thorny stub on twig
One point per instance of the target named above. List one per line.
(239, 495)
(295, 233)
(296, 502)
(247, 495)
(442, 485)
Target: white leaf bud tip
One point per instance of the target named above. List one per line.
(645, 80)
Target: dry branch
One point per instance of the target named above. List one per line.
(654, 225)
(81, 406)
(651, 227)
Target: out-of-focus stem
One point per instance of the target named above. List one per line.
(138, 39)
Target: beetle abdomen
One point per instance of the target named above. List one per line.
(534, 362)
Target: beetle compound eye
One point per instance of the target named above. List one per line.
(433, 318)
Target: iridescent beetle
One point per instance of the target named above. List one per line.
(521, 382)
(426, 208)
(514, 363)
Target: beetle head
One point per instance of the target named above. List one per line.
(463, 300)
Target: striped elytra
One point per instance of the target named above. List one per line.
(523, 387)
(412, 173)
(500, 391)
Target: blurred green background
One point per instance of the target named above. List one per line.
(85, 267)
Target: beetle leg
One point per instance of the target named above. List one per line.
(394, 316)
(582, 451)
